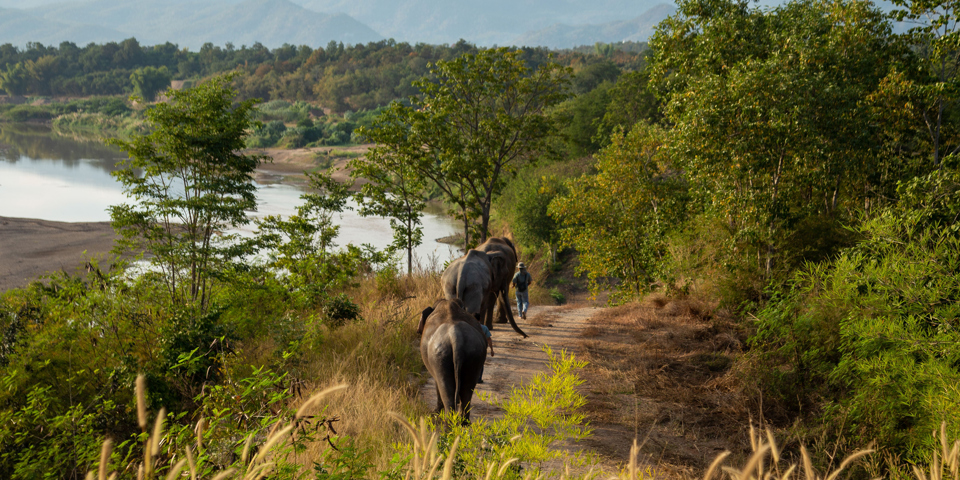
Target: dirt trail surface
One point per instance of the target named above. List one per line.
(659, 371)
(517, 360)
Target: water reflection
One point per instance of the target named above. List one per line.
(36, 142)
(49, 177)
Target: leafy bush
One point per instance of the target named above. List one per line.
(869, 339)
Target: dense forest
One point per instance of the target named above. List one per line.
(341, 78)
(795, 167)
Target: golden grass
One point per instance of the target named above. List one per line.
(378, 358)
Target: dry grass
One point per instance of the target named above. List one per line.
(664, 368)
(378, 358)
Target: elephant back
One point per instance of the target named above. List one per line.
(468, 278)
(504, 248)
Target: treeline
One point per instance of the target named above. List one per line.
(338, 77)
(798, 166)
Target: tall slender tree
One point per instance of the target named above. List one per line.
(476, 119)
(189, 181)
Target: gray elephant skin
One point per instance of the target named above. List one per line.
(503, 258)
(453, 349)
(471, 279)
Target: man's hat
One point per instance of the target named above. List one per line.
(521, 265)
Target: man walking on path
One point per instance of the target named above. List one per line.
(520, 282)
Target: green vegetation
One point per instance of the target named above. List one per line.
(190, 182)
(794, 165)
(478, 119)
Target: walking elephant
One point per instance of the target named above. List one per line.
(471, 279)
(503, 259)
(453, 349)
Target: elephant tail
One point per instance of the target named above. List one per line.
(457, 401)
(505, 307)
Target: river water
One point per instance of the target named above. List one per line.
(49, 177)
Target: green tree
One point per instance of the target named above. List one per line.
(630, 102)
(935, 39)
(303, 242)
(771, 113)
(477, 118)
(618, 218)
(395, 191)
(148, 81)
(525, 203)
(15, 80)
(190, 182)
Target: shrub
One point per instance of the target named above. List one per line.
(869, 339)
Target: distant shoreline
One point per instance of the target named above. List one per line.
(31, 247)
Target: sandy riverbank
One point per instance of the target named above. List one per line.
(30, 248)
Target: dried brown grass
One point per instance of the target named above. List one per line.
(378, 358)
(666, 366)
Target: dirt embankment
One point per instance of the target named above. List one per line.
(29, 248)
(659, 371)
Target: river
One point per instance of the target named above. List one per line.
(50, 177)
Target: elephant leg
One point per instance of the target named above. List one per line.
(501, 311)
(439, 402)
(446, 387)
(486, 311)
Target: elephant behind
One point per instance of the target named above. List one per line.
(503, 258)
(470, 279)
(453, 349)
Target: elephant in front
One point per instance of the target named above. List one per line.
(453, 349)
(471, 279)
(503, 258)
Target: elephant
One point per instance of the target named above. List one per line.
(453, 348)
(470, 279)
(503, 271)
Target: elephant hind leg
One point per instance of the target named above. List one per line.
(439, 402)
(446, 390)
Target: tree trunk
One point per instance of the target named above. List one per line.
(484, 222)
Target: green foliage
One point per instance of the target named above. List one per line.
(149, 81)
(871, 334)
(394, 189)
(476, 120)
(631, 102)
(345, 461)
(934, 38)
(579, 118)
(618, 218)
(525, 200)
(190, 182)
(773, 117)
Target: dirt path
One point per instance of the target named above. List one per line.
(518, 359)
(659, 371)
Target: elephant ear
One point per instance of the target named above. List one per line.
(423, 319)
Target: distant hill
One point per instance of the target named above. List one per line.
(485, 22)
(188, 24)
(559, 35)
(18, 27)
(191, 23)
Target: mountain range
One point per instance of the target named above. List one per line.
(189, 23)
